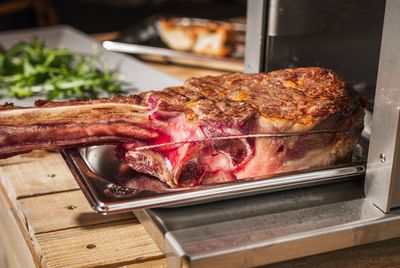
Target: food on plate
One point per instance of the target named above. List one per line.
(209, 38)
(212, 129)
(32, 69)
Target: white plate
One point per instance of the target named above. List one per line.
(137, 74)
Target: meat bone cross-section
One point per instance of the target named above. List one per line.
(210, 130)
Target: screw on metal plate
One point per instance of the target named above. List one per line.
(119, 190)
(382, 158)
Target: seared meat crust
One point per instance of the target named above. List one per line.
(303, 96)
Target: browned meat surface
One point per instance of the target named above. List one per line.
(287, 101)
(198, 36)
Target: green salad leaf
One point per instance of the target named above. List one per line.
(32, 69)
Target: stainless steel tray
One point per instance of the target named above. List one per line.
(112, 187)
(143, 41)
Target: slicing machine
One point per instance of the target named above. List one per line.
(291, 223)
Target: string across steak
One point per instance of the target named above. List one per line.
(208, 109)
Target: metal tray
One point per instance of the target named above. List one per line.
(144, 41)
(112, 187)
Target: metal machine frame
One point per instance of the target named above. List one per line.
(382, 184)
(280, 226)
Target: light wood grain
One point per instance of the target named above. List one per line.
(15, 250)
(24, 158)
(120, 243)
(183, 73)
(161, 263)
(37, 173)
(62, 211)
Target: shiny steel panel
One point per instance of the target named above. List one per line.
(171, 219)
(269, 228)
(382, 185)
(255, 35)
(282, 236)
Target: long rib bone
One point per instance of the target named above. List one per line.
(68, 124)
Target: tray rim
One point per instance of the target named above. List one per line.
(104, 204)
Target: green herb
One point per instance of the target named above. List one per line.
(32, 69)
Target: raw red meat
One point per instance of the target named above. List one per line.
(292, 101)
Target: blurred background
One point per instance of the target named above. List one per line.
(338, 34)
(108, 16)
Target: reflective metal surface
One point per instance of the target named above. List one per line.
(111, 187)
(382, 185)
(269, 228)
(255, 36)
(171, 219)
(180, 57)
(334, 34)
(283, 236)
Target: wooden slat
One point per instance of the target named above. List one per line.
(14, 235)
(37, 173)
(121, 243)
(62, 211)
(23, 158)
(14, 240)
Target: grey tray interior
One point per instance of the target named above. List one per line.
(110, 186)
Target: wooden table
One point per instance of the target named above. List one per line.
(45, 221)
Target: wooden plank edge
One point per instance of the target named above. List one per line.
(134, 241)
(89, 225)
(155, 261)
(23, 225)
(15, 252)
(47, 193)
